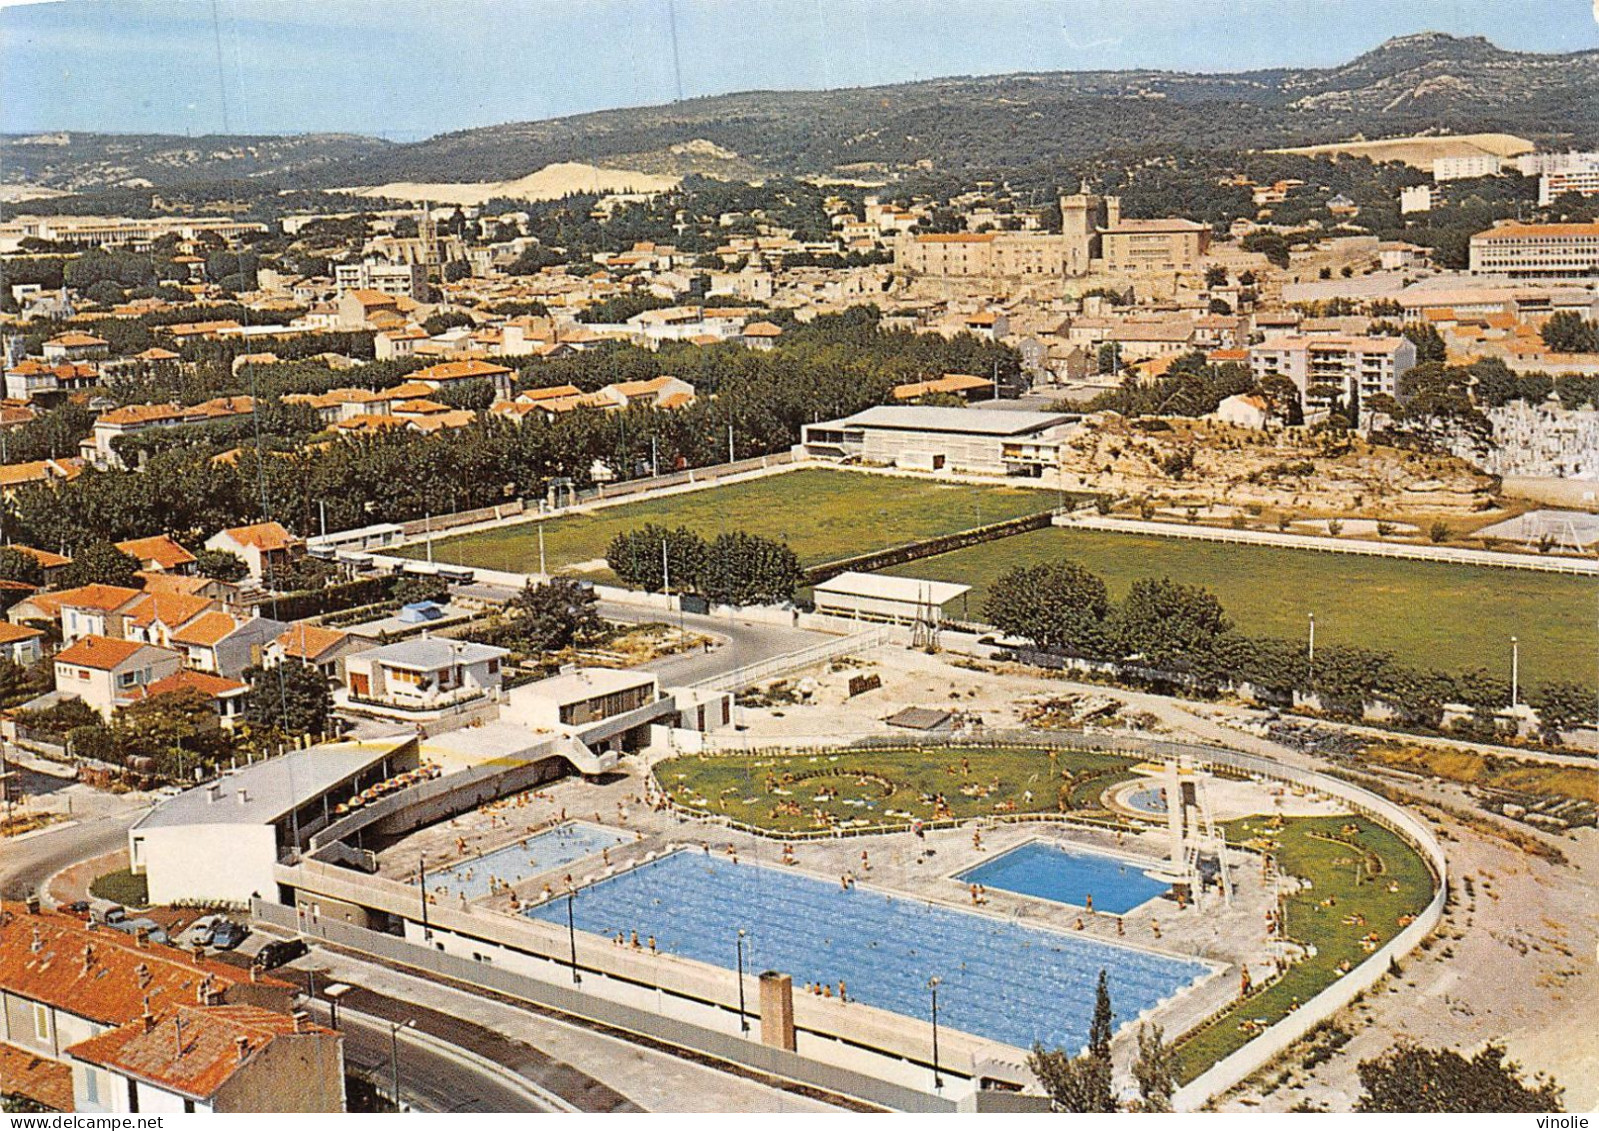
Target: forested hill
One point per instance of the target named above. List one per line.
(1418, 83)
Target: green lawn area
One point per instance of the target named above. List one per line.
(1357, 875)
(823, 515)
(1429, 614)
(123, 887)
(890, 787)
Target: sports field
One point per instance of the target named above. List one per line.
(1429, 614)
(822, 515)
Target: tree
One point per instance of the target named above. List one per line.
(221, 565)
(1215, 276)
(549, 617)
(1155, 1069)
(411, 589)
(475, 395)
(456, 270)
(179, 730)
(18, 566)
(746, 569)
(1168, 623)
(1082, 1083)
(636, 557)
(101, 563)
(291, 698)
(1569, 332)
(1408, 1078)
(1561, 706)
(1056, 605)
(1428, 341)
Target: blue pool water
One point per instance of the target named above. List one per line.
(552, 848)
(1150, 799)
(1000, 980)
(1067, 876)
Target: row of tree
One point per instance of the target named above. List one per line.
(731, 569)
(1164, 627)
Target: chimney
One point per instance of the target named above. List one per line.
(301, 1020)
(142, 973)
(88, 957)
(32, 903)
(242, 1046)
(141, 936)
(244, 797)
(147, 1018)
(199, 954)
(38, 942)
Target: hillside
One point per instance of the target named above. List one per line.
(1419, 84)
(76, 161)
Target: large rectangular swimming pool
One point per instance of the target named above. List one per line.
(1064, 875)
(541, 852)
(1000, 979)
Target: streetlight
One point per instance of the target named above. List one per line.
(743, 1021)
(394, 1056)
(422, 879)
(334, 993)
(938, 1081)
(1515, 671)
(571, 935)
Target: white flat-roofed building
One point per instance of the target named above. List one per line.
(934, 438)
(879, 596)
(219, 842)
(603, 708)
(425, 674)
(1544, 252)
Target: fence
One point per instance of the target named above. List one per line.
(810, 656)
(927, 547)
(725, 1047)
(1455, 555)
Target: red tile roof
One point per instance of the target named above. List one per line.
(192, 1051)
(160, 549)
(99, 652)
(24, 1073)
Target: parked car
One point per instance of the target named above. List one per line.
(229, 934)
(106, 913)
(134, 926)
(275, 954)
(199, 932)
(78, 907)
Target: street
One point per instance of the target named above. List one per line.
(743, 643)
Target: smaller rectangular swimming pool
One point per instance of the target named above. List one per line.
(1045, 871)
(513, 863)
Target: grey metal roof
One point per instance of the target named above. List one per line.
(270, 789)
(933, 418)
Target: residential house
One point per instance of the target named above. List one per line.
(96, 1021)
(449, 373)
(21, 644)
(159, 554)
(93, 610)
(1247, 410)
(75, 345)
(99, 447)
(226, 697)
(224, 643)
(14, 476)
(107, 674)
(154, 617)
(265, 547)
(324, 649)
(423, 674)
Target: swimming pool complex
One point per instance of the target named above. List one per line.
(1064, 875)
(541, 852)
(999, 979)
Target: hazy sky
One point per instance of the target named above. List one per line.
(409, 68)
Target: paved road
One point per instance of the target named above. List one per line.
(429, 1080)
(741, 642)
(26, 864)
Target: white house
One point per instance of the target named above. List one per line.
(424, 674)
(107, 674)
